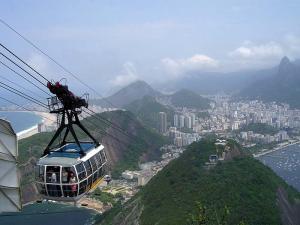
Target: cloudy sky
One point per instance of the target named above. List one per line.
(112, 43)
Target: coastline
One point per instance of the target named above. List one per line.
(274, 149)
(28, 132)
(92, 204)
(47, 120)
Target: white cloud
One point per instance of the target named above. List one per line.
(178, 67)
(38, 62)
(263, 51)
(128, 75)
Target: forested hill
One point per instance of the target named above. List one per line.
(189, 99)
(124, 151)
(239, 190)
(147, 110)
(128, 94)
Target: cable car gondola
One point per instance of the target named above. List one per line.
(71, 169)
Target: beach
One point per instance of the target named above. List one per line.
(48, 120)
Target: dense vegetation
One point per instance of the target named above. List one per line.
(146, 144)
(147, 110)
(260, 128)
(189, 99)
(239, 191)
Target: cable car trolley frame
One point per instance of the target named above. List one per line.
(69, 170)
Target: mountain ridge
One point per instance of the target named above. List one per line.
(128, 94)
(282, 87)
(189, 99)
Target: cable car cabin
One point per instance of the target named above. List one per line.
(67, 172)
(64, 175)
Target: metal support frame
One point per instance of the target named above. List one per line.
(72, 118)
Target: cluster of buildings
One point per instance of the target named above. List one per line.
(149, 169)
(182, 138)
(226, 115)
(250, 136)
(187, 121)
(178, 137)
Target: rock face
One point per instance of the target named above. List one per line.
(128, 94)
(283, 86)
(290, 212)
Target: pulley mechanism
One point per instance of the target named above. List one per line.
(68, 106)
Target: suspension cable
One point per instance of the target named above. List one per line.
(23, 95)
(22, 107)
(25, 89)
(24, 62)
(59, 64)
(11, 69)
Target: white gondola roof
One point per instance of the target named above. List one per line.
(70, 155)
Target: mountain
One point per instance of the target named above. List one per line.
(123, 152)
(126, 95)
(283, 86)
(189, 99)
(214, 82)
(239, 190)
(147, 110)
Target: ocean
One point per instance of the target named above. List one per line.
(286, 163)
(49, 214)
(21, 120)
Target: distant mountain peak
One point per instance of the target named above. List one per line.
(138, 83)
(285, 60)
(285, 65)
(130, 93)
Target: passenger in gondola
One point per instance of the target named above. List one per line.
(53, 178)
(73, 185)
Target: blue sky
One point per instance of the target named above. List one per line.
(111, 43)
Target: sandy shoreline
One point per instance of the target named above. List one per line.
(48, 119)
(274, 149)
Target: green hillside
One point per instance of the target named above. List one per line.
(147, 110)
(189, 99)
(238, 191)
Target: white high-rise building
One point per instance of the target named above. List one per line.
(176, 120)
(193, 116)
(181, 121)
(163, 122)
(188, 122)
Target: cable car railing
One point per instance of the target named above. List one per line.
(54, 181)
